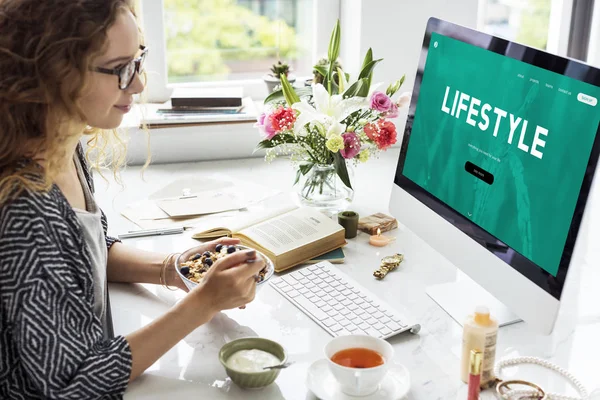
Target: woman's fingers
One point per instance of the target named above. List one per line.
(234, 259)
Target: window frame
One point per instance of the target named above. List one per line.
(158, 89)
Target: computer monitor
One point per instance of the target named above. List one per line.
(497, 159)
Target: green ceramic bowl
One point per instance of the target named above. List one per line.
(252, 380)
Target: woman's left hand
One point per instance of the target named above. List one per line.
(172, 278)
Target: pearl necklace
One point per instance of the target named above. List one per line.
(546, 364)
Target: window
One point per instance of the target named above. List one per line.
(562, 27)
(232, 42)
(524, 21)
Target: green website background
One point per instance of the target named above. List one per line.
(531, 202)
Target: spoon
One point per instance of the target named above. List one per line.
(280, 366)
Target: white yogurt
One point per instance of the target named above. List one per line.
(251, 360)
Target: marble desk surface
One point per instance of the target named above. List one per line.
(191, 369)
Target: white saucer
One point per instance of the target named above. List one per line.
(321, 382)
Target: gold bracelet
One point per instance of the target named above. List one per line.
(162, 278)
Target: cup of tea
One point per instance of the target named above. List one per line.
(359, 362)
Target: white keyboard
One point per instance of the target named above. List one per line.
(339, 304)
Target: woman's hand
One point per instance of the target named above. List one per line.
(173, 279)
(229, 283)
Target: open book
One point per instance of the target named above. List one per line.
(288, 236)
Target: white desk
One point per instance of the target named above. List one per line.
(192, 370)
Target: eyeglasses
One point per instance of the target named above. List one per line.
(126, 72)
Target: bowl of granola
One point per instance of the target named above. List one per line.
(192, 267)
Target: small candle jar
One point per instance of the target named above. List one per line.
(380, 241)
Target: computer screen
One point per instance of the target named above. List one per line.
(502, 141)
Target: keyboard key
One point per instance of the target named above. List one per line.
(298, 286)
(338, 307)
(353, 307)
(393, 326)
(326, 308)
(346, 292)
(310, 307)
(371, 321)
(310, 285)
(373, 332)
(310, 296)
(356, 320)
(326, 298)
(293, 293)
(289, 279)
(352, 296)
(377, 315)
(320, 303)
(346, 302)
(329, 322)
(345, 312)
(385, 331)
(379, 326)
(331, 312)
(305, 272)
(364, 326)
(336, 327)
(343, 332)
(339, 317)
(384, 320)
(371, 310)
(304, 290)
(345, 323)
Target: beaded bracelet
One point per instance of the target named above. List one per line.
(162, 277)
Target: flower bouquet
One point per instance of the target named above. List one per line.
(324, 126)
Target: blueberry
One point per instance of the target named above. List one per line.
(196, 256)
(185, 271)
(208, 262)
(231, 249)
(218, 248)
(206, 254)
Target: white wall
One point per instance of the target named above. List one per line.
(594, 47)
(393, 28)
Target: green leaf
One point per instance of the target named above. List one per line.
(340, 168)
(334, 43)
(321, 70)
(368, 58)
(298, 173)
(288, 91)
(341, 79)
(278, 95)
(305, 168)
(359, 88)
(367, 70)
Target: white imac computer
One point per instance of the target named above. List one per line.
(497, 160)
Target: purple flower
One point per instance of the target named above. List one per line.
(380, 102)
(351, 145)
(265, 125)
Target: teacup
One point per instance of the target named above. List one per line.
(359, 381)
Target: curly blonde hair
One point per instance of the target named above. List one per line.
(46, 50)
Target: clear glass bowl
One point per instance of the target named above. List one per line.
(183, 257)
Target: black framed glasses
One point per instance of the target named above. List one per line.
(126, 72)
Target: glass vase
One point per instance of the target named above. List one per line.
(323, 189)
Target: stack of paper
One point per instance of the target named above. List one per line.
(196, 201)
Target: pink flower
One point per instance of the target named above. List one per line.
(265, 125)
(380, 102)
(392, 112)
(283, 119)
(351, 145)
(383, 133)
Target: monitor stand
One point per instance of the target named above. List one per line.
(460, 298)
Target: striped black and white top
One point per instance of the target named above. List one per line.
(51, 341)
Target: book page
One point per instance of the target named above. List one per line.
(292, 230)
(236, 221)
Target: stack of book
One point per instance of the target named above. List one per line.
(201, 101)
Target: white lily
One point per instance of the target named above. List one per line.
(329, 111)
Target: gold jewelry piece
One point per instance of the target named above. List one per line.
(162, 278)
(506, 392)
(388, 264)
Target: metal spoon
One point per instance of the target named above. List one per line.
(280, 366)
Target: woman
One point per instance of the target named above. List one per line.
(69, 67)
